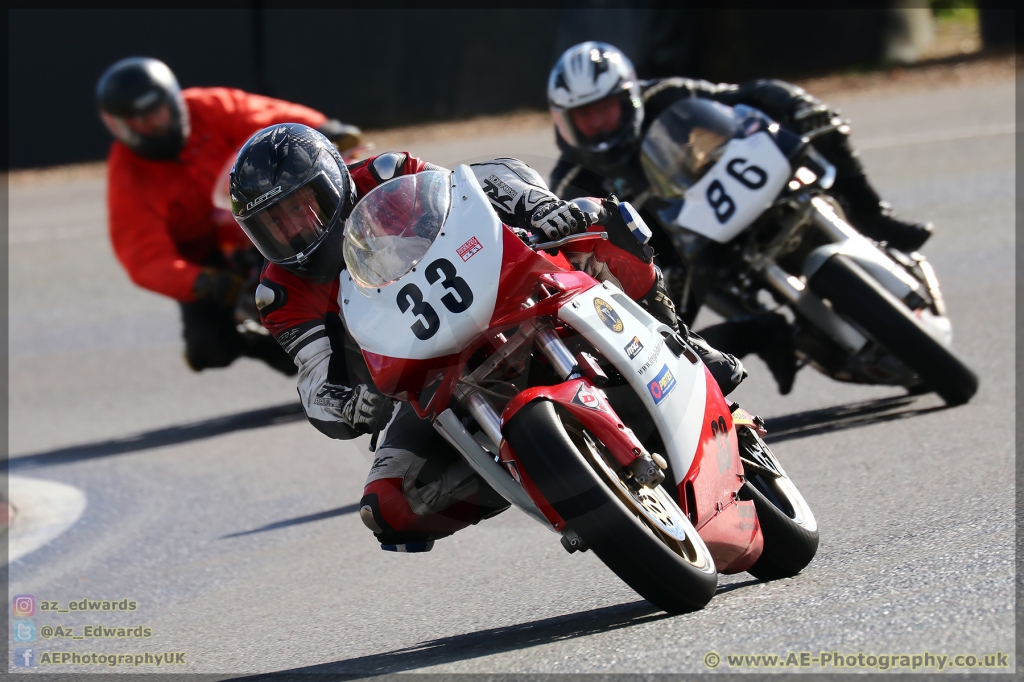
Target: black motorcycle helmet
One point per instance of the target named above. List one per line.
(291, 193)
(141, 104)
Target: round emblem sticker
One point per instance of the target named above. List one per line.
(608, 315)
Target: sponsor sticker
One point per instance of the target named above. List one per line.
(634, 347)
(652, 358)
(608, 315)
(661, 386)
(585, 397)
(469, 249)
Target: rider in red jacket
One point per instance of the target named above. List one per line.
(291, 193)
(170, 148)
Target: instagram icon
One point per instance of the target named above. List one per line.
(24, 605)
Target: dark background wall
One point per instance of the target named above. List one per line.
(386, 67)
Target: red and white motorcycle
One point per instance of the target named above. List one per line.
(565, 395)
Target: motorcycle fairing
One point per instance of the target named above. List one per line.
(737, 189)
(395, 320)
(673, 389)
(729, 527)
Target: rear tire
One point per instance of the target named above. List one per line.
(676, 576)
(856, 295)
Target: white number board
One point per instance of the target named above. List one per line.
(744, 182)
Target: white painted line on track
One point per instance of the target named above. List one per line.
(935, 136)
(42, 511)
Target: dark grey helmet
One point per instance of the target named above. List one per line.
(140, 102)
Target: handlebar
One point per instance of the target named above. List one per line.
(565, 240)
(823, 130)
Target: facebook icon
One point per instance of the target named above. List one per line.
(25, 657)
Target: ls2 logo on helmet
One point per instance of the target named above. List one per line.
(608, 315)
(263, 197)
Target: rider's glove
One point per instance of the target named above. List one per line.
(217, 287)
(357, 407)
(341, 135)
(557, 219)
(808, 113)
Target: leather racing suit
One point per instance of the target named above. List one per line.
(418, 488)
(165, 229)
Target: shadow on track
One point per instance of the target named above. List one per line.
(840, 417)
(309, 518)
(480, 643)
(171, 435)
(722, 589)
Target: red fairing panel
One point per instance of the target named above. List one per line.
(398, 377)
(585, 403)
(522, 272)
(731, 531)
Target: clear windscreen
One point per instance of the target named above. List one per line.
(684, 142)
(393, 226)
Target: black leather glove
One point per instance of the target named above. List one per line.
(342, 135)
(808, 113)
(217, 287)
(557, 219)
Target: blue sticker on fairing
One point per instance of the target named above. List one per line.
(661, 385)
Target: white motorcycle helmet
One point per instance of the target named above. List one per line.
(584, 76)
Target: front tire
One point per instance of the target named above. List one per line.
(856, 295)
(788, 526)
(676, 575)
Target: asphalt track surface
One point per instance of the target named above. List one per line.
(233, 523)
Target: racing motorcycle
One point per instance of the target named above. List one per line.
(745, 205)
(565, 395)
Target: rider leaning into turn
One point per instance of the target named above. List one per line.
(602, 111)
(291, 193)
(170, 146)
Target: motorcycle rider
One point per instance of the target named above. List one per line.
(602, 112)
(169, 147)
(292, 193)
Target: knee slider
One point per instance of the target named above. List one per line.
(369, 513)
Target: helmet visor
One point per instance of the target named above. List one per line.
(290, 228)
(599, 125)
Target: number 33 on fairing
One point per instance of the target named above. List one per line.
(737, 190)
(410, 296)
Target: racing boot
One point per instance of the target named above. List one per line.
(725, 368)
(875, 218)
(767, 334)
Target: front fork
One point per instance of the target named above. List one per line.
(577, 395)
